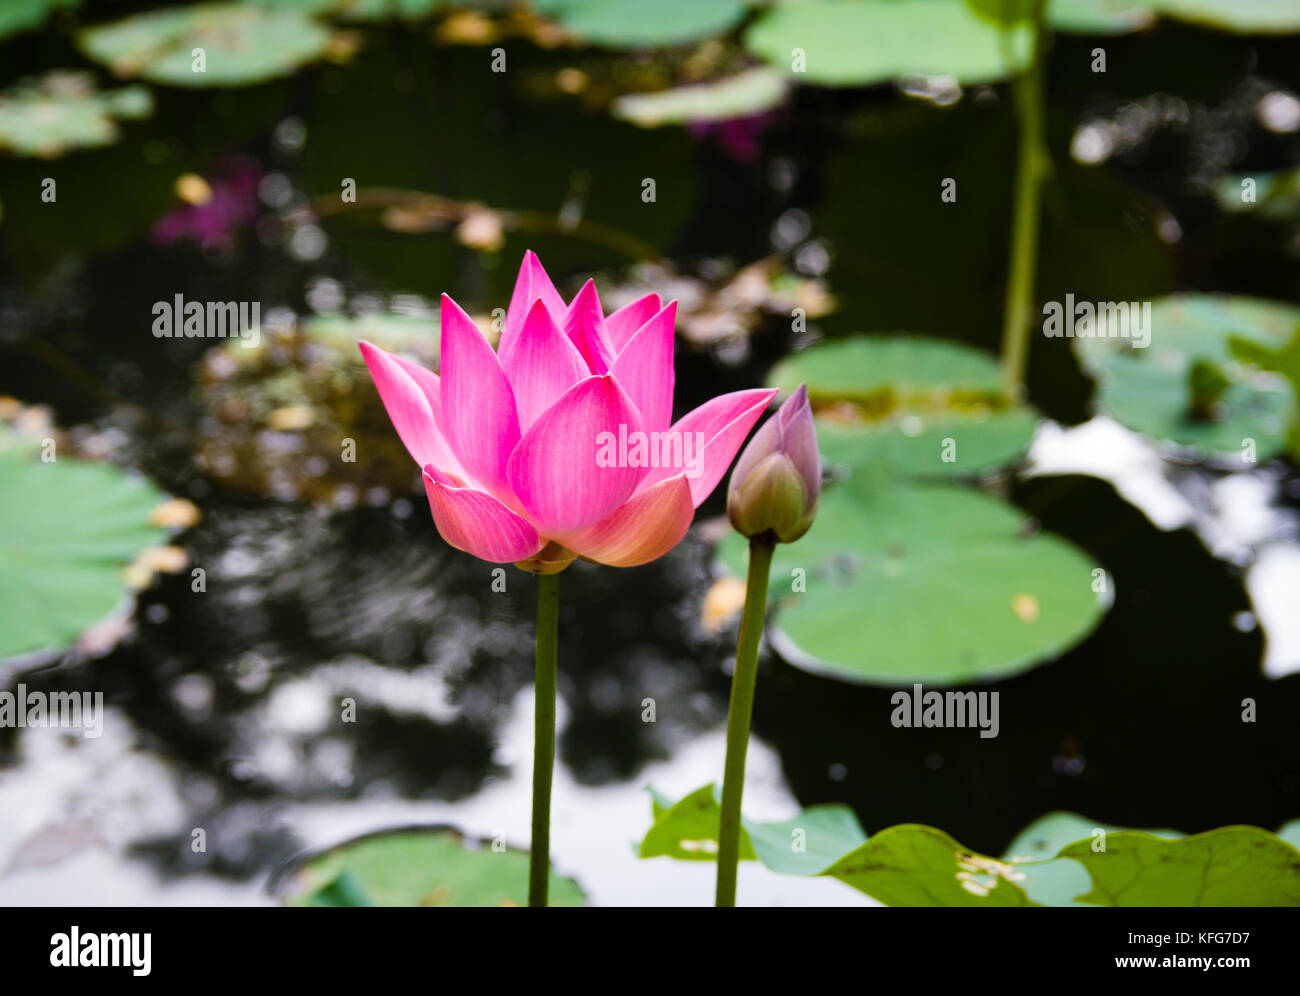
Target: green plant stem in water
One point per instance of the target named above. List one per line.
(539, 854)
(1031, 168)
(738, 716)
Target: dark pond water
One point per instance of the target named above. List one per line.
(224, 702)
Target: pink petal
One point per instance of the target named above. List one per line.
(642, 530)
(407, 400)
(645, 370)
(585, 325)
(564, 470)
(624, 323)
(722, 422)
(479, 524)
(542, 366)
(427, 381)
(531, 285)
(478, 406)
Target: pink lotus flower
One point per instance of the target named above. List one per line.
(559, 444)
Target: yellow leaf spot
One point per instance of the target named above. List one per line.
(1025, 606)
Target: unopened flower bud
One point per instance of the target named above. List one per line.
(774, 488)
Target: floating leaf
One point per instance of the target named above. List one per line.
(1098, 17)
(862, 42)
(1187, 386)
(1243, 16)
(746, 93)
(418, 866)
(805, 845)
(917, 405)
(924, 584)
(1229, 867)
(914, 865)
(633, 23)
(241, 43)
(63, 111)
(1056, 861)
(68, 530)
(1046, 836)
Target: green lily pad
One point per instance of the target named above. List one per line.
(746, 93)
(1188, 387)
(1242, 16)
(1048, 835)
(1056, 861)
(242, 44)
(935, 584)
(634, 23)
(914, 865)
(807, 844)
(1099, 17)
(863, 42)
(23, 15)
(418, 866)
(62, 111)
(917, 405)
(1229, 867)
(68, 530)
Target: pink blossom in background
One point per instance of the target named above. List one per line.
(213, 224)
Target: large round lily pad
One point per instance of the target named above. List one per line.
(940, 585)
(916, 405)
(68, 529)
(863, 42)
(1190, 386)
(242, 44)
(418, 866)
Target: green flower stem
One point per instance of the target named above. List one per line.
(738, 717)
(539, 854)
(1031, 168)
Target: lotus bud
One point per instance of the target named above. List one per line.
(774, 488)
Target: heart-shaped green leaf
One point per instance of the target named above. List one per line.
(806, 845)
